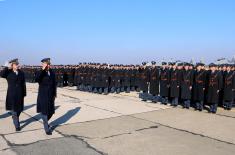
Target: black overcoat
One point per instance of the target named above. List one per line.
(144, 79)
(46, 92)
(164, 82)
(186, 84)
(199, 85)
(214, 82)
(229, 86)
(175, 83)
(154, 81)
(16, 90)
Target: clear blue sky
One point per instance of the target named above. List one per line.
(116, 31)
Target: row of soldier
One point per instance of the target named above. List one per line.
(173, 83)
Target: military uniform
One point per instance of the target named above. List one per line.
(164, 84)
(154, 82)
(15, 93)
(186, 87)
(199, 86)
(46, 94)
(144, 81)
(214, 86)
(229, 88)
(175, 83)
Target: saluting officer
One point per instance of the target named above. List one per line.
(46, 93)
(16, 90)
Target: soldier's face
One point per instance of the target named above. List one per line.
(212, 68)
(186, 67)
(44, 65)
(179, 67)
(199, 67)
(15, 66)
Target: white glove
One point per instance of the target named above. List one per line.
(6, 64)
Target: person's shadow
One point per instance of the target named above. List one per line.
(63, 119)
(8, 114)
(33, 119)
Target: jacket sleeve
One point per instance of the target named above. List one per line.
(4, 73)
(24, 85)
(233, 82)
(55, 85)
(220, 80)
(39, 75)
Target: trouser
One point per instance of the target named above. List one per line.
(213, 108)
(122, 89)
(127, 89)
(86, 88)
(132, 88)
(81, 87)
(45, 122)
(187, 104)
(89, 88)
(15, 119)
(95, 90)
(144, 96)
(154, 98)
(228, 105)
(112, 90)
(106, 91)
(100, 90)
(164, 100)
(174, 101)
(199, 105)
(118, 90)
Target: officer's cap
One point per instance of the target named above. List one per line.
(212, 65)
(46, 60)
(14, 61)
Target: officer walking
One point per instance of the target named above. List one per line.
(46, 93)
(16, 90)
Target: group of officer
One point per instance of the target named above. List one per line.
(171, 83)
(189, 85)
(16, 91)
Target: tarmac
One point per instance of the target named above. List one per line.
(114, 124)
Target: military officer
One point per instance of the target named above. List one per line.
(154, 82)
(144, 81)
(46, 93)
(164, 83)
(214, 86)
(16, 90)
(229, 88)
(199, 86)
(175, 83)
(186, 85)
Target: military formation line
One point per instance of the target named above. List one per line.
(171, 83)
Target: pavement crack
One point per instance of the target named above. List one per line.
(128, 133)
(151, 127)
(81, 138)
(182, 130)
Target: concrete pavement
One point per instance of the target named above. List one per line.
(121, 124)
